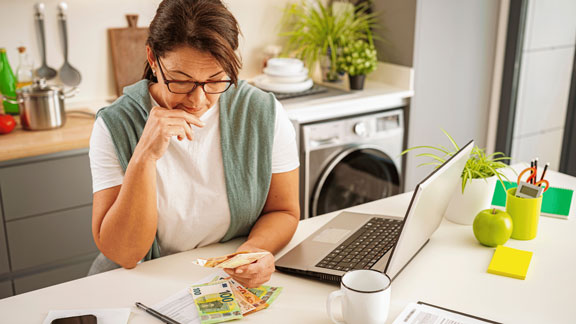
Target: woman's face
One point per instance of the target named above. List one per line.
(185, 64)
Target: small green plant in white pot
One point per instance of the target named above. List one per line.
(478, 179)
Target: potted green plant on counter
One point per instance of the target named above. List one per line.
(316, 32)
(357, 59)
(478, 179)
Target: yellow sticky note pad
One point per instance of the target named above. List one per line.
(510, 262)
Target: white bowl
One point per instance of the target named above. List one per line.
(276, 73)
(287, 79)
(263, 82)
(285, 65)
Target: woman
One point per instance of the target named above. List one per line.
(191, 156)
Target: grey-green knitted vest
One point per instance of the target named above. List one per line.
(247, 123)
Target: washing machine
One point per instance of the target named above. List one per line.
(350, 161)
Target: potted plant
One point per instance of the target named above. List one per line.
(357, 59)
(315, 32)
(478, 179)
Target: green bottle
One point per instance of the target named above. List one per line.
(7, 83)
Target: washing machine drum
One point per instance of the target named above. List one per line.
(359, 177)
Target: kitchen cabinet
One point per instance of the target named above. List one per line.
(6, 289)
(52, 277)
(47, 185)
(50, 237)
(46, 204)
(4, 265)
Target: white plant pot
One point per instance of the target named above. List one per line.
(477, 196)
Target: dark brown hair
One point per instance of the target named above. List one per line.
(206, 25)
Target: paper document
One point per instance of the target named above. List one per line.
(422, 313)
(180, 306)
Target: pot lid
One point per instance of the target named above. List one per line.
(38, 88)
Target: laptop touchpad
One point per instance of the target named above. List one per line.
(331, 235)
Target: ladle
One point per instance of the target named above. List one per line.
(44, 71)
(68, 74)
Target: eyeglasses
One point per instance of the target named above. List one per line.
(186, 87)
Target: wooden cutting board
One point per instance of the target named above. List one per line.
(128, 48)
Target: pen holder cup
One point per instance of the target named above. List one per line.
(525, 213)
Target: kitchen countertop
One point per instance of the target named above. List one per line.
(22, 143)
(375, 96)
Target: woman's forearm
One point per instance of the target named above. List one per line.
(128, 229)
(273, 231)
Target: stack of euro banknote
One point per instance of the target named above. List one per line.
(224, 299)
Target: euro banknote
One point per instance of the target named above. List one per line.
(231, 261)
(267, 293)
(216, 302)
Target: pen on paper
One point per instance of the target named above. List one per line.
(156, 314)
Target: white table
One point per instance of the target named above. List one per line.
(450, 272)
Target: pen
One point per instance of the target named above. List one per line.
(156, 314)
(535, 171)
(544, 172)
(531, 166)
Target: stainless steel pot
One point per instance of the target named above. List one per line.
(41, 106)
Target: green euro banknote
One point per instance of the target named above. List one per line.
(266, 293)
(249, 303)
(215, 302)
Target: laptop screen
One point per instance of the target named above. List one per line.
(427, 207)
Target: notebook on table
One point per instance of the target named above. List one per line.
(556, 202)
(384, 243)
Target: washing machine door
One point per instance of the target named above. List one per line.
(357, 175)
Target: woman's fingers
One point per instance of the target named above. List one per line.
(188, 117)
(255, 274)
(178, 131)
(186, 127)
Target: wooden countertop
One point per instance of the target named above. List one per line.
(75, 134)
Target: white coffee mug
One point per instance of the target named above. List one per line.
(365, 296)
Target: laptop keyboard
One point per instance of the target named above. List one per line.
(365, 247)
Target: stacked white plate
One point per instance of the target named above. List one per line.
(284, 75)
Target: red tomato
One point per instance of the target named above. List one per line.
(7, 124)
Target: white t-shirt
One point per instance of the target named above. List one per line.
(193, 206)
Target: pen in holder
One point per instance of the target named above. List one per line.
(525, 213)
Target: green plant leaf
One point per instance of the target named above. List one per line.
(430, 163)
(478, 166)
(313, 29)
(451, 139)
(439, 159)
(426, 147)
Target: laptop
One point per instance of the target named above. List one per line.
(384, 243)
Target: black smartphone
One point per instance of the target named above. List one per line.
(82, 319)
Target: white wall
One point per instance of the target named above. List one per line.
(453, 63)
(88, 22)
(544, 85)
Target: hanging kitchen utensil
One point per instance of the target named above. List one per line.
(128, 48)
(44, 71)
(68, 74)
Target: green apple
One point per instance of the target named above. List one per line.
(492, 227)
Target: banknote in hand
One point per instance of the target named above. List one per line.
(231, 261)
